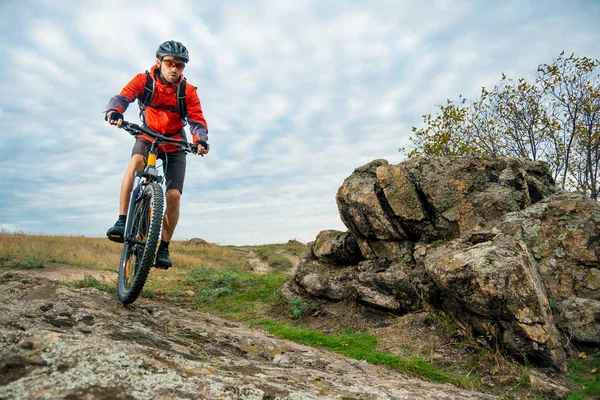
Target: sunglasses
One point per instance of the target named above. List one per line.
(171, 64)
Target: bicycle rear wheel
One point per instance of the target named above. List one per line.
(139, 247)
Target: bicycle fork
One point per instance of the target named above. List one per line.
(142, 178)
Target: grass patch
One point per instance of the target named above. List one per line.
(586, 382)
(18, 264)
(299, 307)
(292, 247)
(58, 260)
(74, 250)
(233, 293)
(362, 346)
(89, 281)
(278, 262)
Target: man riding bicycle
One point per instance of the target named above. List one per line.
(166, 102)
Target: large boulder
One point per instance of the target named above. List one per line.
(427, 199)
(496, 285)
(563, 234)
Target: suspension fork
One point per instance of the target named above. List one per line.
(141, 179)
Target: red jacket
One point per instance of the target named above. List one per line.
(161, 120)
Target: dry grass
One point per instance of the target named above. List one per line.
(99, 253)
(71, 250)
(60, 254)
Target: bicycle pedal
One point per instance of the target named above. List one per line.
(117, 239)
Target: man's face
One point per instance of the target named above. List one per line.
(171, 68)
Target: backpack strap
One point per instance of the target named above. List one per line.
(181, 99)
(146, 97)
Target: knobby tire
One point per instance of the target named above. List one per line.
(146, 224)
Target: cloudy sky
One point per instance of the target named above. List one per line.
(296, 94)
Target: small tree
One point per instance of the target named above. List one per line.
(446, 134)
(572, 85)
(555, 119)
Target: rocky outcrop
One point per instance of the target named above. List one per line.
(59, 342)
(491, 242)
(428, 199)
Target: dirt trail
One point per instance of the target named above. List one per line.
(260, 267)
(68, 273)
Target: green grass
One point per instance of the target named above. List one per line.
(278, 262)
(234, 294)
(586, 384)
(89, 281)
(26, 264)
(363, 346)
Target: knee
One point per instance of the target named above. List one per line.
(173, 196)
(137, 162)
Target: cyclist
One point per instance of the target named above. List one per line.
(166, 104)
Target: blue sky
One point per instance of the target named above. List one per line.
(296, 94)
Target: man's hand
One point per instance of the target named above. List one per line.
(114, 118)
(203, 148)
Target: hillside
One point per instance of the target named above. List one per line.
(217, 322)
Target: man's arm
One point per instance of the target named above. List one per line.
(129, 93)
(195, 117)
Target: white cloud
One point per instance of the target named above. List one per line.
(296, 94)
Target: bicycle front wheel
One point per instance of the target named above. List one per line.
(139, 247)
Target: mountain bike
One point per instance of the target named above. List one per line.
(144, 217)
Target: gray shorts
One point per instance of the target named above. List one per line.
(173, 164)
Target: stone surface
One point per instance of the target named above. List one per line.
(427, 199)
(495, 280)
(58, 342)
(582, 319)
(336, 247)
(360, 204)
(563, 234)
(547, 387)
(324, 280)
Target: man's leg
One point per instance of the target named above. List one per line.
(174, 175)
(171, 214)
(116, 232)
(168, 227)
(136, 163)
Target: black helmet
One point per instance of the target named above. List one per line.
(172, 48)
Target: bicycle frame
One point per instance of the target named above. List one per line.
(150, 172)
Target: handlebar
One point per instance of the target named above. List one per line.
(184, 145)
